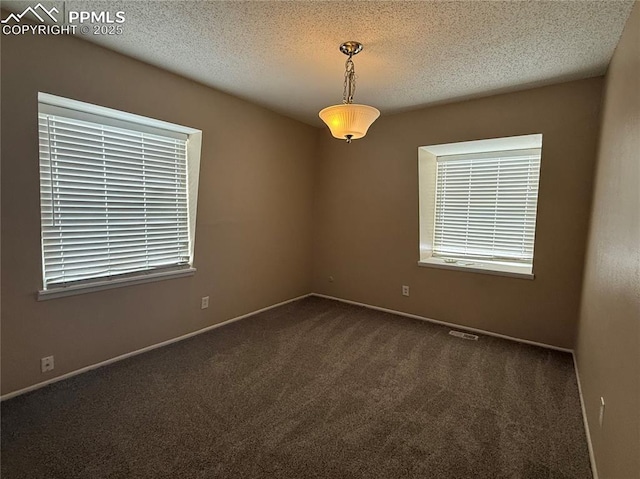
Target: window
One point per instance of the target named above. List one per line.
(478, 204)
(117, 197)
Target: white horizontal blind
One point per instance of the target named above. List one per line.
(486, 205)
(113, 200)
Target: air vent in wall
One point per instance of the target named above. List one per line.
(460, 334)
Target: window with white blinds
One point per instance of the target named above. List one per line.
(485, 206)
(114, 198)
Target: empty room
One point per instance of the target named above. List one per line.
(320, 239)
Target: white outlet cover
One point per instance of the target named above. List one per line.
(47, 364)
(205, 302)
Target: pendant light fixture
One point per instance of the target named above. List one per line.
(349, 121)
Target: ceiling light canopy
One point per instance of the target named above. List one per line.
(349, 121)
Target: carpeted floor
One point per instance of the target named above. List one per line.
(312, 389)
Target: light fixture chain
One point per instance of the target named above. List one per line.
(349, 82)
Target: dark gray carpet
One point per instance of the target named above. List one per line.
(313, 389)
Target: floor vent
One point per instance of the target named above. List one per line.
(460, 334)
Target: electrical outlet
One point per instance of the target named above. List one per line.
(405, 290)
(601, 416)
(205, 302)
(46, 364)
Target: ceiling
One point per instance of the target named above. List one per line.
(284, 54)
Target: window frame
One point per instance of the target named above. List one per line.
(51, 104)
(427, 177)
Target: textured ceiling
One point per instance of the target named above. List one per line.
(284, 55)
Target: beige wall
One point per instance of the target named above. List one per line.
(253, 227)
(608, 350)
(366, 214)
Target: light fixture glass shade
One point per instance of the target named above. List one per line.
(349, 119)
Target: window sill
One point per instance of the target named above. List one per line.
(72, 290)
(521, 272)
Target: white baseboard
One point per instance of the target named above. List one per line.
(592, 457)
(143, 350)
(444, 323)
